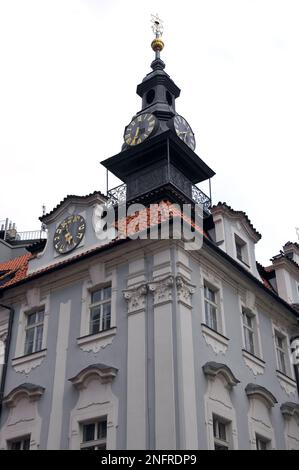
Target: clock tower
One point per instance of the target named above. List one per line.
(158, 160)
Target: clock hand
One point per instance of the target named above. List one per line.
(136, 135)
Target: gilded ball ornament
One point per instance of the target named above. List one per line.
(157, 44)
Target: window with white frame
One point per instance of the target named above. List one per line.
(221, 432)
(249, 331)
(100, 310)
(241, 250)
(22, 443)
(34, 331)
(281, 346)
(211, 307)
(94, 435)
(262, 443)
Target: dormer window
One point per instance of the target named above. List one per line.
(241, 250)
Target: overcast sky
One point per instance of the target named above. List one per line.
(68, 76)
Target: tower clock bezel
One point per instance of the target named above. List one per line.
(69, 234)
(134, 135)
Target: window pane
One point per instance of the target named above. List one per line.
(40, 316)
(102, 429)
(88, 432)
(96, 296)
(279, 341)
(95, 320)
(26, 445)
(106, 316)
(249, 341)
(95, 313)
(16, 445)
(210, 294)
(222, 431)
(39, 338)
(249, 320)
(31, 319)
(282, 363)
(107, 293)
(29, 341)
(211, 316)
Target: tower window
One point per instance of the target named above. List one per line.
(169, 98)
(150, 96)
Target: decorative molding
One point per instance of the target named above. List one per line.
(25, 364)
(286, 383)
(100, 371)
(33, 297)
(136, 297)
(289, 409)
(96, 342)
(253, 390)
(218, 343)
(3, 336)
(256, 365)
(162, 290)
(212, 369)
(30, 391)
(184, 291)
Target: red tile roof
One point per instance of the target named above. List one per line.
(13, 270)
(16, 269)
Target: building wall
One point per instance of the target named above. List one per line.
(160, 396)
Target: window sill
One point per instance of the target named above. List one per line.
(255, 364)
(217, 341)
(26, 363)
(96, 342)
(287, 383)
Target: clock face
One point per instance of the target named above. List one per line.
(69, 233)
(140, 129)
(184, 131)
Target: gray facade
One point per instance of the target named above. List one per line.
(159, 374)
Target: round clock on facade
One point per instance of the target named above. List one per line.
(69, 233)
(140, 129)
(184, 131)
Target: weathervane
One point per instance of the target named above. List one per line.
(157, 27)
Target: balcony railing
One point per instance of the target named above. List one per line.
(117, 195)
(199, 197)
(31, 235)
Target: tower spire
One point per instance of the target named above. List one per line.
(157, 44)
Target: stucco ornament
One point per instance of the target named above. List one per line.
(162, 289)
(135, 296)
(184, 290)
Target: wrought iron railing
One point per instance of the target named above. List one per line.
(31, 235)
(117, 195)
(199, 197)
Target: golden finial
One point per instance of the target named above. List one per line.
(157, 27)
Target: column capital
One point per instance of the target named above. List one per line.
(162, 289)
(135, 296)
